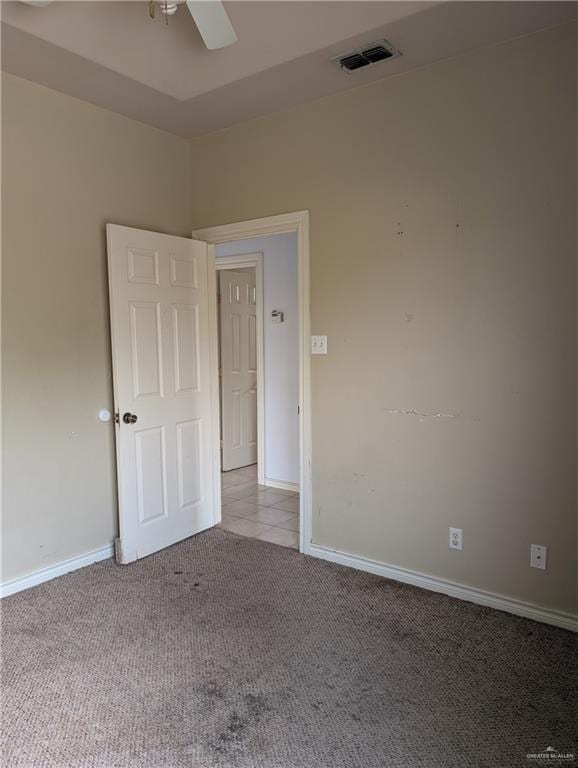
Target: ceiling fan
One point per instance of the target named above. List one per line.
(209, 15)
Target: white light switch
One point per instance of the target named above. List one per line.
(319, 345)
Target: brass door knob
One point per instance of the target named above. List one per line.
(129, 418)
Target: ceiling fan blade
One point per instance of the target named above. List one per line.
(36, 2)
(212, 22)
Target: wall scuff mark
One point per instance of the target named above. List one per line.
(421, 416)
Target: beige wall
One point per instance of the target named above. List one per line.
(68, 168)
(443, 206)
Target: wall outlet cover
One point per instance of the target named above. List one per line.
(456, 538)
(538, 556)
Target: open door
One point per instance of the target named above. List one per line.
(238, 305)
(162, 363)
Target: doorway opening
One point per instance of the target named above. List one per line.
(164, 336)
(258, 342)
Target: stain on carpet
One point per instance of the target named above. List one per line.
(228, 652)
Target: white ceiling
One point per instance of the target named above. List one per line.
(172, 57)
(112, 54)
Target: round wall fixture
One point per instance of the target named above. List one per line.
(104, 415)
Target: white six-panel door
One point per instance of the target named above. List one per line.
(159, 305)
(238, 321)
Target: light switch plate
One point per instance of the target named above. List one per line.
(319, 345)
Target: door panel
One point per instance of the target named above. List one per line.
(186, 346)
(238, 368)
(146, 348)
(159, 304)
(251, 414)
(143, 266)
(151, 474)
(189, 448)
(252, 336)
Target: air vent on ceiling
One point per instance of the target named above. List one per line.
(364, 57)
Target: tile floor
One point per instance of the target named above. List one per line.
(259, 512)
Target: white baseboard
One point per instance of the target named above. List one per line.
(417, 579)
(282, 485)
(461, 591)
(59, 569)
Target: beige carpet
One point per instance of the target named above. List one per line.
(228, 651)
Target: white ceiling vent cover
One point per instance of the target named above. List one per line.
(373, 53)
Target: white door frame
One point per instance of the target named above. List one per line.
(254, 260)
(273, 225)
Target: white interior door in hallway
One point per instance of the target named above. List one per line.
(238, 349)
(162, 363)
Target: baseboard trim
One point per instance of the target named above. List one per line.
(59, 569)
(281, 485)
(453, 589)
(417, 579)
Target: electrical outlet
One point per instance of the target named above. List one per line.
(456, 535)
(538, 555)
